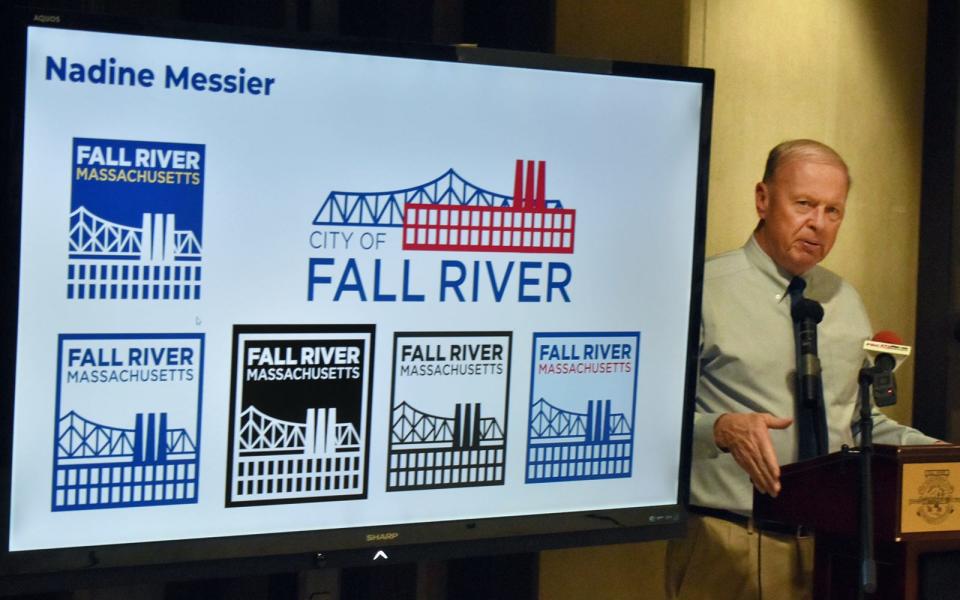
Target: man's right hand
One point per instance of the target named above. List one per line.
(747, 437)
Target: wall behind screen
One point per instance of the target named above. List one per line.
(848, 73)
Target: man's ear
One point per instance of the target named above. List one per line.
(762, 199)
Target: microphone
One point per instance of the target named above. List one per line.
(812, 433)
(887, 350)
(889, 353)
(806, 315)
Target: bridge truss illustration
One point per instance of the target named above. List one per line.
(569, 446)
(283, 460)
(109, 260)
(103, 466)
(449, 213)
(428, 451)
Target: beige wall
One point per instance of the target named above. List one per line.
(643, 31)
(847, 72)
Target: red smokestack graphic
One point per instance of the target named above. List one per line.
(518, 186)
(528, 189)
(540, 200)
(530, 192)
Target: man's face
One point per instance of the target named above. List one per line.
(802, 209)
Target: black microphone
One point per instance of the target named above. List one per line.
(812, 436)
(806, 315)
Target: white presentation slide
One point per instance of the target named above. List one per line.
(269, 290)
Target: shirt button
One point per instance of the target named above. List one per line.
(778, 296)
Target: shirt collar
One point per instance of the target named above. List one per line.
(779, 279)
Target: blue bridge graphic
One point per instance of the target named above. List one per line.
(570, 446)
(429, 451)
(110, 260)
(278, 459)
(385, 209)
(101, 466)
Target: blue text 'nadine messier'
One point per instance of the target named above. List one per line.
(107, 71)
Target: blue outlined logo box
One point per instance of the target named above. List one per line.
(136, 220)
(127, 430)
(583, 394)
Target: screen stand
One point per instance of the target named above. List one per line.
(147, 591)
(431, 580)
(319, 584)
(325, 583)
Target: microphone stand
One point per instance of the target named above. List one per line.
(868, 565)
(880, 378)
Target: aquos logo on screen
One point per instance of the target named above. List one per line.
(136, 214)
(449, 215)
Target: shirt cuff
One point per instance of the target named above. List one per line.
(704, 443)
(915, 438)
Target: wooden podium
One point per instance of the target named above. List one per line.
(916, 515)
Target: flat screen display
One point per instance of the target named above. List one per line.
(269, 290)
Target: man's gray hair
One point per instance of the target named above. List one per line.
(805, 149)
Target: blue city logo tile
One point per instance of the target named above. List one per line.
(136, 220)
(582, 406)
(127, 421)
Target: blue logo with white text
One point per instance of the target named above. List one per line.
(136, 220)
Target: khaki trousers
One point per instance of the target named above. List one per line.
(719, 560)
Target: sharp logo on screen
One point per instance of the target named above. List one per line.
(582, 402)
(136, 217)
(444, 215)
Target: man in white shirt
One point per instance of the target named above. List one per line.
(743, 424)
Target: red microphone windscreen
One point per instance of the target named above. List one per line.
(887, 337)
